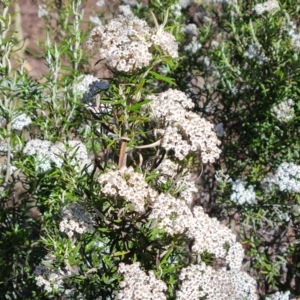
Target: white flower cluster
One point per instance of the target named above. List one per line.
(222, 177)
(183, 131)
(190, 29)
(125, 10)
(184, 3)
(292, 31)
(125, 42)
(42, 11)
(235, 256)
(219, 128)
(279, 296)
(138, 285)
(130, 2)
(253, 51)
(174, 215)
(73, 294)
(193, 46)
(100, 3)
(175, 10)
(20, 121)
(286, 177)
(129, 185)
(4, 167)
(267, 6)
(3, 147)
(96, 20)
(201, 281)
(83, 83)
(242, 194)
(75, 219)
(50, 279)
(284, 111)
(169, 170)
(208, 233)
(47, 153)
(166, 41)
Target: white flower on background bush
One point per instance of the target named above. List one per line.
(185, 3)
(50, 279)
(125, 10)
(279, 296)
(181, 130)
(96, 20)
(75, 152)
(3, 146)
(219, 128)
(129, 185)
(125, 43)
(190, 29)
(175, 10)
(286, 177)
(254, 51)
(3, 167)
(138, 285)
(20, 121)
(292, 31)
(130, 2)
(100, 3)
(203, 282)
(193, 46)
(284, 111)
(266, 6)
(47, 153)
(42, 151)
(75, 219)
(242, 194)
(222, 178)
(42, 11)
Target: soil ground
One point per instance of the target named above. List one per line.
(33, 30)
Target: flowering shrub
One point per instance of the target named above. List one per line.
(98, 193)
(246, 79)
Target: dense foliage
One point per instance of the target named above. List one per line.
(121, 187)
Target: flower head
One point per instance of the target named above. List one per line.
(126, 43)
(138, 285)
(181, 130)
(266, 6)
(20, 121)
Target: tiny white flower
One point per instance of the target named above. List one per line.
(284, 111)
(266, 6)
(42, 11)
(100, 3)
(242, 194)
(20, 121)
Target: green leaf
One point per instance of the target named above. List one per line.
(137, 106)
(120, 253)
(162, 78)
